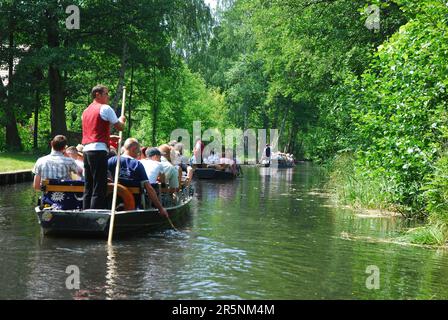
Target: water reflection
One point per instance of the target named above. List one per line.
(263, 236)
(111, 273)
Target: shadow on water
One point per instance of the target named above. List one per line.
(272, 234)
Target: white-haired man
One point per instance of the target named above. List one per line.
(132, 169)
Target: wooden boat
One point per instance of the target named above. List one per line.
(60, 210)
(279, 164)
(214, 172)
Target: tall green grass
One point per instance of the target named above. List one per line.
(356, 187)
(435, 195)
(359, 188)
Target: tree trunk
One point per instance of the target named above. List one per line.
(57, 102)
(124, 66)
(36, 120)
(155, 108)
(56, 84)
(13, 141)
(39, 77)
(288, 144)
(283, 124)
(129, 119)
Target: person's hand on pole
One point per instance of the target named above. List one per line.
(120, 125)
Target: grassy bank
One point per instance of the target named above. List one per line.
(16, 161)
(354, 187)
(435, 194)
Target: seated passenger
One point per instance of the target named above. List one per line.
(172, 174)
(213, 158)
(172, 143)
(142, 153)
(226, 159)
(73, 153)
(227, 162)
(182, 161)
(132, 169)
(55, 165)
(153, 166)
(198, 149)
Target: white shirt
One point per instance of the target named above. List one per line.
(107, 114)
(55, 166)
(171, 173)
(226, 161)
(213, 159)
(153, 169)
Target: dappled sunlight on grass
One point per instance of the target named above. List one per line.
(16, 161)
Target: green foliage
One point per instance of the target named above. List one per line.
(353, 186)
(435, 194)
(400, 108)
(315, 72)
(54, 63)
(185, 99)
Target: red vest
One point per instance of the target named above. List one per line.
(94, 128)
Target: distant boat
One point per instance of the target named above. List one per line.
(280, 164)
(60, 211)
(212, 172)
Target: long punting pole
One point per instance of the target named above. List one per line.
(117, 173)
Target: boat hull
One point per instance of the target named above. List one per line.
(95, 223)
(210, 173)
(278, 165)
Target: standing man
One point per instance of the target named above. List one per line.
(96, 122)
(267, 153)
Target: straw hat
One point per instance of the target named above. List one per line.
(80, 148)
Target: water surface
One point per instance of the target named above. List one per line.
(272, 234)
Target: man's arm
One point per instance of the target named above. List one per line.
(36, 183)
(76, 169)
(120, 124)
(108, 114)
(153, 196)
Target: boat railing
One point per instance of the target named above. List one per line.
(68, 195)
(168, 197)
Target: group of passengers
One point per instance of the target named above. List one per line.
(166, 164)
(223, 162)
(269, 156)
(287, 158)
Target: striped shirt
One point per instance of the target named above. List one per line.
(55, 166)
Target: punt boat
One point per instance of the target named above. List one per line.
(60, 213)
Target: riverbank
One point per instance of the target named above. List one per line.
(353, 188)
(11, 162)
(16, 167)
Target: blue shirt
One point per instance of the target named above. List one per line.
(130, 168)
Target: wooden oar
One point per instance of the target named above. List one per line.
(117, 173)
(171, 223)
(111, 273)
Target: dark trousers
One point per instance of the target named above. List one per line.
(95, 170)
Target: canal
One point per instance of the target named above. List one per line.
(272, 234)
